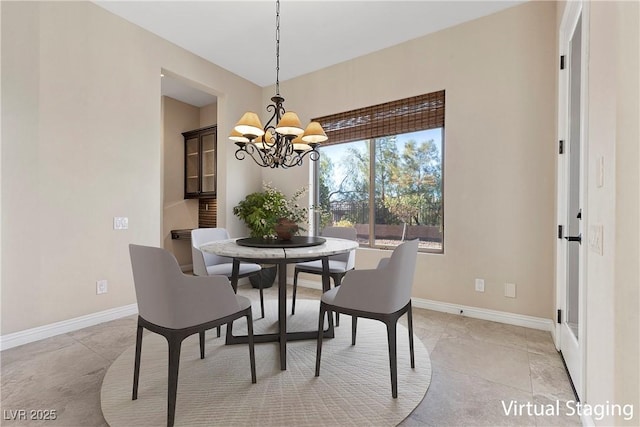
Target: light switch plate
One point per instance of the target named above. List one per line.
(479, 285)
(120, 223)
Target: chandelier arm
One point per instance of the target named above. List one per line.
(290, 147)
(275, 116)
(265, 155)
(240, 154)
(296, 159)
(252, 154)
(314, 155)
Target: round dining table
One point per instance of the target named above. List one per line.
(280, 253)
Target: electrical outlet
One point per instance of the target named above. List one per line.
(479, 285)
(510, 290)
(120, 223)
(102, 287)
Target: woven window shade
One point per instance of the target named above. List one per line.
(391, 118)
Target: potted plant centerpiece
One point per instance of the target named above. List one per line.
(262, 211)
(269, 214)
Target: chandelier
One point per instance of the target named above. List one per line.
(282, 142)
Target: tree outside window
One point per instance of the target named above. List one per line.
(397, 180)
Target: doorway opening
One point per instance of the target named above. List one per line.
(184, 107)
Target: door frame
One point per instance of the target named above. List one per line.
(573, 11)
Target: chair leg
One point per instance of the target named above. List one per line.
(410, 324)
(393, 361)
(252, 355)
(337, 280)
(229, 332)
(320, 333)
(136, 365)
(354, 327)
(295, 289)
(261, 299)
(174, 364)
(218, 330)
(201, 344)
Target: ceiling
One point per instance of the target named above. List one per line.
(240, 35)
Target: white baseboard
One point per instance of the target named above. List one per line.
(555, 336)
(587, 421)
(41, 332)
(486, 314)
(186, 267)
(47, 331)
(475, 312)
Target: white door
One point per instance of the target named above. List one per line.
(571, 217)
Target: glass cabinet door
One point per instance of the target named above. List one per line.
(208, 163)
(200, 163)
(191, 164)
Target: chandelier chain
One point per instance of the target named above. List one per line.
(273, 145)
(278, 47)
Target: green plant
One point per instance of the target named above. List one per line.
(261, 210)
(343, 223)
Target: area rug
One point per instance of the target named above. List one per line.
(353, 389)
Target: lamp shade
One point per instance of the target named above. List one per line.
(314, 133)
(237, 136)
(299, 146)
(249, 125)
(289, 125)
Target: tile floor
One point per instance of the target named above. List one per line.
(476, 366)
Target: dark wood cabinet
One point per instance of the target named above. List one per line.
(200, 147)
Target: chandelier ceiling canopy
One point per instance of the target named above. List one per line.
(282, 142)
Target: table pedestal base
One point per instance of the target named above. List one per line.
(282, 336)
(291, 336)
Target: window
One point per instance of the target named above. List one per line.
(385, 163)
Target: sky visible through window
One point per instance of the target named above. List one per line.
(340, 151)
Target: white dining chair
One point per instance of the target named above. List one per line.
(338, 264)
(176, 306)
(208, 264)
(383, 294)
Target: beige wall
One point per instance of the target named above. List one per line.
(612, 283)
(627, 267)
(499, 76)
(600, 209)
(178, 212)
(81, 143)
(209, 117)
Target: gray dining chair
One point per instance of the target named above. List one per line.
(176, 306)
(207, 264)
(383, 294)
(338, 264)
